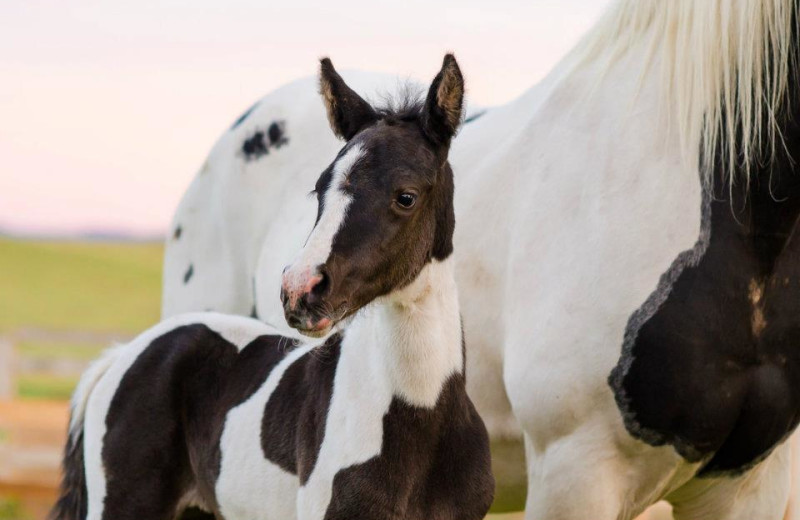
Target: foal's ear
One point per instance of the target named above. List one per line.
(442, 114)
(348, 113)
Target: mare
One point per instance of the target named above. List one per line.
(628, 262)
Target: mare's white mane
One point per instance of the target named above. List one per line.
(725, 65)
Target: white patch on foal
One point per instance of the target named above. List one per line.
(247, 480)
(334, 210)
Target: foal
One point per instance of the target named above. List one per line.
(219, 413)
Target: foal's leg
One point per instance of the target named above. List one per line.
(759, 494)
(136, 459)
(144, 482)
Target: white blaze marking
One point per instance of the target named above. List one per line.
(335, 205)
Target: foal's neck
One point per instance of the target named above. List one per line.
(418, 331)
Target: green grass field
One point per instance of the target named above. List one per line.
(79, 286)
(63, 288)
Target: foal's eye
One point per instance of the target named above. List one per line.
(406, 200)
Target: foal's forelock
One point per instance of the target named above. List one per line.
(335, 202)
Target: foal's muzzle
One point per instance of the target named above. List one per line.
(303, 306)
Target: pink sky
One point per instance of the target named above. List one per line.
(107, 108)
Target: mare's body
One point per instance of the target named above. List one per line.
(626, 263)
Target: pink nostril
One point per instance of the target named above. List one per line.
(304, 287)
(311, 283)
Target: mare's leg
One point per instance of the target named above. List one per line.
(566, 481)
(589, 474)
(483, 333)
(760, 494)
(487, 391)
(582, 463)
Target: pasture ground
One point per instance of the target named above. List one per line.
(84, 286)
(61, 303)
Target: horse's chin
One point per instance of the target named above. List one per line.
(330, 324)
(316, 333)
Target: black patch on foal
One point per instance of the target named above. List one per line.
(301, 398)
(711, 362)
(189, 273)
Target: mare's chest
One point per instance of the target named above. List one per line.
(711, 361)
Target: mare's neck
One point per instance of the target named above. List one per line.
(416, 335)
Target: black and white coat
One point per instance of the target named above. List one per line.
(221, 413)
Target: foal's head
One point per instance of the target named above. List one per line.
(385, 204)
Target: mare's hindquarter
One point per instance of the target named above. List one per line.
(220, 413)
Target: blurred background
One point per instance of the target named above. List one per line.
(107, 108)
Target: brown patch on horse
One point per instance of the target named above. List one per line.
(756, 294)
